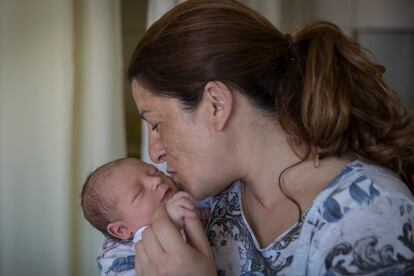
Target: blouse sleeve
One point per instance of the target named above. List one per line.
(116, 257)
(368, 232)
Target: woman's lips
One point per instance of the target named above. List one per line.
(172, 175)
(171, 170)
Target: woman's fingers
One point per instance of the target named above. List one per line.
(151, 244)
(196, 237)
(167, 233)
(142, 262)
(166, 253)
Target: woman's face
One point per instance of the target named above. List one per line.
(185, 140)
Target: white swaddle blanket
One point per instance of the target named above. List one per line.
(138, 234)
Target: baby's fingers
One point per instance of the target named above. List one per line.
(181, 195)
(181, 201)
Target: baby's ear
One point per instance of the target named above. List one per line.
(119, 230)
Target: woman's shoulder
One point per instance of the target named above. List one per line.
(362, 188)
(363, 215)
(383, 178)
(362, 182)
(363, 198)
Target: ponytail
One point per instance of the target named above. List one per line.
(345, 103)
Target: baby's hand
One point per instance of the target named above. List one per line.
(179, 206)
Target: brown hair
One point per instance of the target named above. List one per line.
(97, 209)
(321, 86)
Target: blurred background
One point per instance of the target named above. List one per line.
(66, 108)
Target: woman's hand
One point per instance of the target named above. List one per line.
(162, 250)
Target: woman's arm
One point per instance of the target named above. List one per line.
(163, 251)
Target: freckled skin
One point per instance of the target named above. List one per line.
(188, 140)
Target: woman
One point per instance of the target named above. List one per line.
(305, 149)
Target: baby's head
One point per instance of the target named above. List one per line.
(120, 196)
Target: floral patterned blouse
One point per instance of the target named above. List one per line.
(360, 224)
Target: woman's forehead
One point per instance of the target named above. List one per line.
(149, 103)
(144, 99)
(140, 92)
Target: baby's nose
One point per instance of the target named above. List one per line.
(155, 183)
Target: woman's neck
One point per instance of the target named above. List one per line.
(267, 157)
(263, 154)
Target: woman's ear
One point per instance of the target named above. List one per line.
(220, 100)
(119, 230)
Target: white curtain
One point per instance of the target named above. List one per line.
(61, 115)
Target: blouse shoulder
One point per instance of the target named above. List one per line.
(362, 223)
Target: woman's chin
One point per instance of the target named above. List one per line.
(186, 186)
(180, 186)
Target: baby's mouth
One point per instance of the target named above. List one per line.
(167, 195)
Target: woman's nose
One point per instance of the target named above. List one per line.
(157, 152)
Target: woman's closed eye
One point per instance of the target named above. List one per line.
(155, 127)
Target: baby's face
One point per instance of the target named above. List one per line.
(138, 189)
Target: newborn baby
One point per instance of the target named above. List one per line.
(119, 198)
